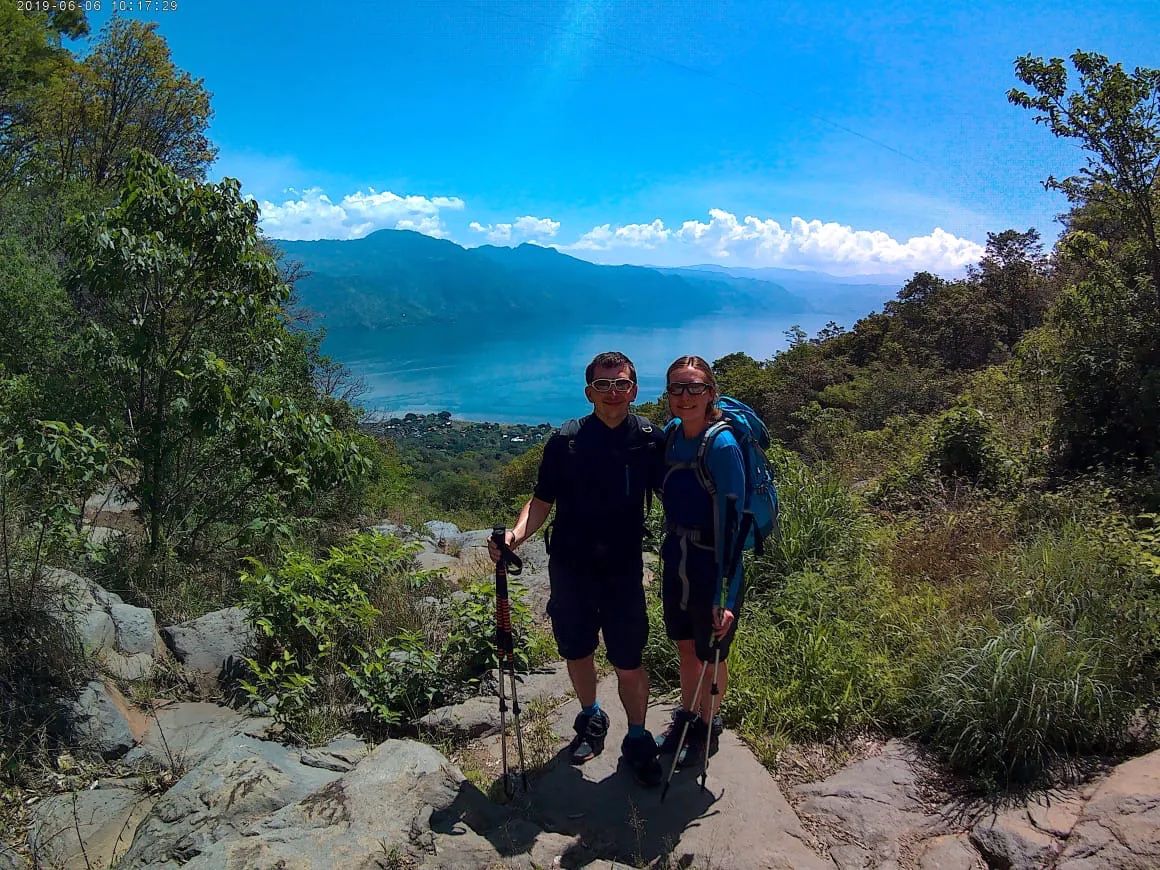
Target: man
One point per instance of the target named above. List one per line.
(597, 472)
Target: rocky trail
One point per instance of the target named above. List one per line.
(233, 796)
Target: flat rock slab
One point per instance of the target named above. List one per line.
(1120, 825)
(741, 821)
(180, 735)
(948, 852)
(87, 828)
(867, 810)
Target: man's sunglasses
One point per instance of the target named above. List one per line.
(621, 385)
(693, 388)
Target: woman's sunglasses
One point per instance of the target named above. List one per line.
(694, 388)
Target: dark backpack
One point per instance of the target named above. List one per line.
(640, 454)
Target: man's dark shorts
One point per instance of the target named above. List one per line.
(598, 597)
(695, 621)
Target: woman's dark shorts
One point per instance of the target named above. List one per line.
(599, 597)
(694, 621)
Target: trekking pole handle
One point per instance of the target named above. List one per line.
(512, 563)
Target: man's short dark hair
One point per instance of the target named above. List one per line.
(609, 359)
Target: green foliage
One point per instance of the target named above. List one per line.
(45, 476)
(470, 651)
(1112, 115)
(817, 658)
(1109, 365)
(400, 679)
(818, 522)
(125, 95)
(960, 448)
(1068, 652)
(187, 336)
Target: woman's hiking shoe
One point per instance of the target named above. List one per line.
(667, 742)
(591, 729)
(640, 753)
(694, 747)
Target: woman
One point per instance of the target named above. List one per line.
(695, 554)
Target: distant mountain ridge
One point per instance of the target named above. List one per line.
(828, 294)
(394, 278)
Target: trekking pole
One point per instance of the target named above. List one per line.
(685, 730)
(734, 559)
(508, 561)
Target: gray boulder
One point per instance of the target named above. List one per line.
(405, 800)
(87, 828)
(103, 721)
(475, 717)
(429, 561)
(443, 535)
(211, 645)
(122, 637)
(1120, 825)
(10, 859)
(79, 609)
(180, 735)
(242, 781)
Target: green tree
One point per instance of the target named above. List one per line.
(1115, 117)
(127, 94)
(187, 331)
(32, 56)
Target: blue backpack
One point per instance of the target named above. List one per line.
(759, 506)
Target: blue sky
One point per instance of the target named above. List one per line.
(869, 138)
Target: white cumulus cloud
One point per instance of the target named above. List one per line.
(314, 215)
(604, 237)
(756, 241)
(523, 228)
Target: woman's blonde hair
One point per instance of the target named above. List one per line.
(712, 412)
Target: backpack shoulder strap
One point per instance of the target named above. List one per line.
(570, 429)
(707, 438)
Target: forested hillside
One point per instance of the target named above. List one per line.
(969, 548)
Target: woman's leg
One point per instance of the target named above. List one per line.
(690, 672)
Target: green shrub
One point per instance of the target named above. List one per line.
(400, 679)
(470, 651)
(314, 618)
(959, 449)
(1009, 699)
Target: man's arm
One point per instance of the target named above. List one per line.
(531, 517)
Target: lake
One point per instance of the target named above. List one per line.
(534, 373)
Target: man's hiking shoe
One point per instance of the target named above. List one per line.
(589, 740)
(718, 726)
(667, 742)
(640, 753)
(694, 748)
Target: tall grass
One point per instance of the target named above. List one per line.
(1064, 658)
(1009, 700)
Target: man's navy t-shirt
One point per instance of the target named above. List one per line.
(597, 481)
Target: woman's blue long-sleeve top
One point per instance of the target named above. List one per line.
(688, 505)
